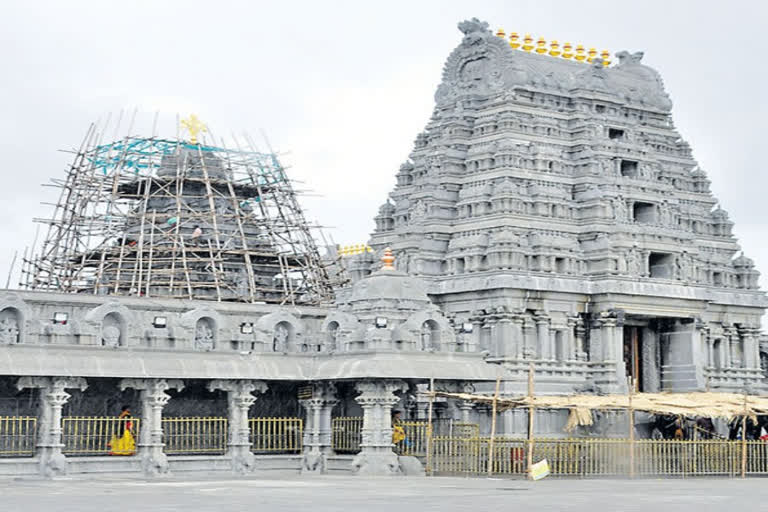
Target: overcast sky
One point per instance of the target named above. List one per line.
(342, 88)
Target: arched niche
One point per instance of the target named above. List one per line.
(331, 336)
(338, 330)
(110, 324)
(197, 331)
(280, 332)
(432, 327)
(10, 326)
(113, 330)
(205, 333)
(17, 314)
(429, 335)
(283, 336)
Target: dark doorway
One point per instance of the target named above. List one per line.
(632, 356)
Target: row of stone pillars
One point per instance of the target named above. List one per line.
(377, 397)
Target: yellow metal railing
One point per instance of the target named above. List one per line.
(195, 436)
(346, 434)
(276, 435)
(17, 436)
(94, 435)
(600, 457)
(415, 442)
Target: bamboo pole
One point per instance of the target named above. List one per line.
(631, 413)
(531, 414)
(744, 440)
(493, 425)
(429, 425)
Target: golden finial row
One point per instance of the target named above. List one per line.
(567, 52)
(352, 250)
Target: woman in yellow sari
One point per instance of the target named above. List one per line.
(122, 443)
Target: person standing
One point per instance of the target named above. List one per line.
(122, 442)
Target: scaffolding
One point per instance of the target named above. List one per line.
(155, 217)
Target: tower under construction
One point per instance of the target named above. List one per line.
(178, 218)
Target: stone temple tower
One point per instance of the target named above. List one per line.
(181, 219)
(559, 218)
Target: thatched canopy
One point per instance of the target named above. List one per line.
(709, 405)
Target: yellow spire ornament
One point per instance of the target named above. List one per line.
(500, 33)
(554, 48)
(567, 51)
(605, 54)
(514, 40)
(592, 54)
(580, 53)
(541, 46)
(194, 126)
(527, 43)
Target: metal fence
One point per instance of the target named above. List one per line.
(195, 436)
(346, 434)
(89, 435)
(415, 442)
(599, 457)
(17, 436)
(276, 435)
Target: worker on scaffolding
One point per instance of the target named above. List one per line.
(196, 235)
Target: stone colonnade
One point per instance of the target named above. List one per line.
(376, 397)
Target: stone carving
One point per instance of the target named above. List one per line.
(685, 270)
(477, 65)
(9, 330)
(418, 212)
(240, 398)
(620, 211)
(634, 262)
(153, 397)
(649, 87)
(594, 77)
(204, 335)
(53, 396)
(429, 339)
(110, 336)
(280, 338)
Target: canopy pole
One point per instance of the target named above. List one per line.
(429, 425)
(493, 425)
(531, 414)
(744, 440)
(631, 414)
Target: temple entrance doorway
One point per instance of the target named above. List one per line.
(642, 353)
(633, 336)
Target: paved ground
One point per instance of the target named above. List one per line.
(290, 492)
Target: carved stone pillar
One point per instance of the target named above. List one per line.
(489, 334)
(542, 334)
(734, 348)
(153, 398)
(317, 427)
(596, 339)
(751, 352)
(518, 337)
(725, 352)
(569, 339)
(710, 352)
(376, 456)
(607, 335)
(580, 333)
(53, 396)
(239, 401)
(504, 338)
(477, 325)
(465, 406)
